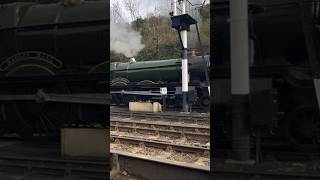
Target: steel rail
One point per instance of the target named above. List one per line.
(199, 137)
(162, 144)
(46, 166)
(171, 117)
(178, 131)
(157, 123)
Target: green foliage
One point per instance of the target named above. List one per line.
(205, 28)
(205, 11)
(160, 39)
(117, 57)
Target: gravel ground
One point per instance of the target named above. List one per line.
(196, 159)
(168, 154)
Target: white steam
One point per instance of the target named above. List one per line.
(125, 40)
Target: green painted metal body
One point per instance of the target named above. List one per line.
(160, 70)
(76, 35)
(165, 70)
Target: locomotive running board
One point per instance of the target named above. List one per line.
(144, 93)
(41, 97)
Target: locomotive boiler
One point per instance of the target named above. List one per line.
(52, 48)
(284, 66)
(149, 76)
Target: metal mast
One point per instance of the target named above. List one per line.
(240, 79)
(184, 63)
(180, 23)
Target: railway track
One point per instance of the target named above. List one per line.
(192, 118)
(244, 175)
(183, 137)
(275, 164)
(42, 160)
(190, 132)
(68, 169)
(161, 144)
(174, 143)
(271, 151)
(265, 171)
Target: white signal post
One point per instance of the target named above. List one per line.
(240, 86)
(184, 62)
(174, 3)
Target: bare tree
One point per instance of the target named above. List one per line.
(116, 13)
(132, 6)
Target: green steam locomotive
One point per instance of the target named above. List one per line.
(140, 81)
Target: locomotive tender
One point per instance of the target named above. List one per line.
(284, 69)
(56, 48)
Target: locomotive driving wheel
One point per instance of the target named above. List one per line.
(204, 102)
(32, 120)
(302, 128)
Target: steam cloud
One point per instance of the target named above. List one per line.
(125, 40)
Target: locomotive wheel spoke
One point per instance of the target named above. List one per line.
(91, 114)
(44, 125)
(38, 120)
(49, 117)
(53, 127)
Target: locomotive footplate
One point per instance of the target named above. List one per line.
(65, 78)
(144, 93)
(198, 95)
(41, 97)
